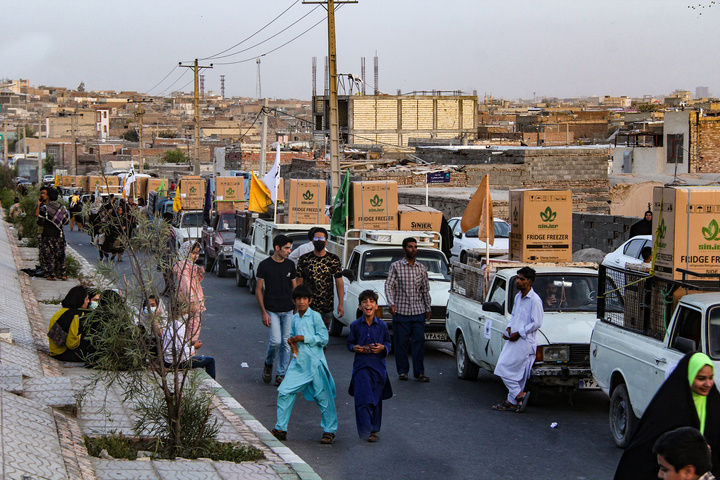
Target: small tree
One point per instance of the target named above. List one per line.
(167, 134)
(175, 156)
(131, 135)
(81, 87)
(49, 164)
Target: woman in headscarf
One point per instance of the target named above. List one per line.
(688, 398)
(64, 337)
(187, 285)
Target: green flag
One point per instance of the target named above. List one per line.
(161, 188)
(340, 207)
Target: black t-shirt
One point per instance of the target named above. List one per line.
(278, 277)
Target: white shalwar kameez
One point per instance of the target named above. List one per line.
(517, 358)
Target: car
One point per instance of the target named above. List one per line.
(48, 180)
(628, 252)
(469, 241)
(218, 239)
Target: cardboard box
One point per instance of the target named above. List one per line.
(541, 225)
(419, 218)
(71, 181)
(154, 183)
(229, 189)
(92, 181)
(374, 205)
(689, 235)
(230, 206)
(192, 192)
(306, 202)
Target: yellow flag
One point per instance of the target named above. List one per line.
(177, 206)
(479, 213)
(259, 196)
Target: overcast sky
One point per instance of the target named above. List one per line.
(504, 48)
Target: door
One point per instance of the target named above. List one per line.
(489, 349)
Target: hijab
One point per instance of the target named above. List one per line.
(697, 363)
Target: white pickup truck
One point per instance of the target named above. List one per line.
(366, 256)
(249, 251)
(476, 327)
(187, 225)
(638, 337)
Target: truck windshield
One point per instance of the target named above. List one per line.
(714, 332)
(226, 223)
(564, 292)
(376, 263)
(191, 220)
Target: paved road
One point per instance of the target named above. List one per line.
(443, 429)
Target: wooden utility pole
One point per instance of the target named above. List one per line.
(196, 154)
(139, 113)
(263, 140)
(334, 118)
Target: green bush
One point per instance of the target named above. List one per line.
(73, 266)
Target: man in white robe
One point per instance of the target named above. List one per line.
(518, 355)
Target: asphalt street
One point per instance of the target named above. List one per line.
(442, 429)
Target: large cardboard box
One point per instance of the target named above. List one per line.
(229, 189)
(192, 192)
(154, 183)
(689, 233)
(374, 205)
(140, 186)
(230, 206)
(541, 225)
(71, 181)
(419, 218)
(306, 202)
(92, 181)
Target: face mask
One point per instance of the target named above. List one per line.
(93, 305)
(319, 245)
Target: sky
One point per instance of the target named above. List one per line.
(504, 48)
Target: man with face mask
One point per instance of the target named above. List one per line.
(318, 270)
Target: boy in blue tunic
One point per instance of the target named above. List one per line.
(369, 338)
(308, 371)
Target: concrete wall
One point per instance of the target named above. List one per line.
(678, 122)
(644, 159)
(451, 206)
(604, 232)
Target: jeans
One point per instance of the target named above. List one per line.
(409, 329)
(198, 361)
(280, 323)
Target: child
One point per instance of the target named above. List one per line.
(369, 338)
(308, 371)
(178, 349)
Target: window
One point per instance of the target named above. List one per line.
(714, 332)
(634, 248)
(688, 325)
(498, 293)
(675, 148)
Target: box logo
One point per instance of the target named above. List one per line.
(308, 195)
(229, 192)
(193, 190)
(376, 201)
(515, 215)
(711, 231)
(548, 215)
(661, 231)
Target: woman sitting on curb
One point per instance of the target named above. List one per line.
(64, 336)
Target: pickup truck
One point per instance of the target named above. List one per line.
(187, 225)
(218, 239)
(366, 256)
(639, 338)
(476, 327)
(252, 249)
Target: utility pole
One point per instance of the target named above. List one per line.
(334, 121)
(139, 114)
(196, 154)
(40, 162)
(263, 140)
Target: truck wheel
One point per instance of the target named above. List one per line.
(240, 281)
(622, 418)
(336, 327)
(252, 284)
(465, 368)
(208, 263)
(221, 267)
(463, 257)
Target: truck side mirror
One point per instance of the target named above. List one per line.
(492, 307)
(246, 240)
(685, 345)
(349, 274)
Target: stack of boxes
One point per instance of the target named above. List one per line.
(192, 192)
(229, 193)
(541, 225)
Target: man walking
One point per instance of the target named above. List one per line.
(407, 290)
(277, 274)
(318, 270)
(518, 353)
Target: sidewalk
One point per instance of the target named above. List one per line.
(41, 428)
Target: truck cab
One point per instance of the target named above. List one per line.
(218, 239)
(187, 225)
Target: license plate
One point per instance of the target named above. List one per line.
(588, 383)
(440, 337)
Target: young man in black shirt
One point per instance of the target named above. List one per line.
(277, 274)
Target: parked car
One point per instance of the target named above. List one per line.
(218, 239)
(48, 180)
(469, 240)
(628, 252)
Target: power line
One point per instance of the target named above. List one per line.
(166, 76)
(178, 79)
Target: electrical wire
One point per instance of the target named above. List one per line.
(177, 80)
(251, 36)
(166, 76)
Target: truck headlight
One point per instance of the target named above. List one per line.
(383, 313)
(227, 249)
(553, 354)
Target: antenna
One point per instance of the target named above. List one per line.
(222, 87)
(258, 84)
(202, 86)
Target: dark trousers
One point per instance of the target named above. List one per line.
(52, 251)
(198, 361)
(409, 329)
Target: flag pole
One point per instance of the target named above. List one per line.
(488, 222)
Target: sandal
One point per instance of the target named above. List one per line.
(64, 279)
(373, 437)
(403, 376)
(52, 279)
(422, 378)
(279, 434)
(505, 406)
(327, 438)
(522, 402)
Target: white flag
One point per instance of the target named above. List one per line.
(129, 179)
(272, 178)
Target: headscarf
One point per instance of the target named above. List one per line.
(75, 298)
(185, 249)
(697, 363)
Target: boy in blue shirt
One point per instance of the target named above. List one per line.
(308, 371)
(369, 338)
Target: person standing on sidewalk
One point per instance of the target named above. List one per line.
(407, 290)
(277, 274)
(318, 270)
(52, 216)
(42, 200)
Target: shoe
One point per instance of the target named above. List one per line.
(279, 379)
(279, 434)
(327, 438)
(403, 376)
(422, 378)
(267, 373)
(505, 406)
(373, 437)
(522, 402)
(51, 278)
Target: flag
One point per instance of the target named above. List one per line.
(129, 180)
(208, 203)
(56, 182)
(259, 196)
(177, 206)
(479, 213)
(340, 207)
(161, 189)
(272, 178)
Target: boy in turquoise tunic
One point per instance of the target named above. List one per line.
(308, 371)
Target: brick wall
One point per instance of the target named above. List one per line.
(705, 144)
(604, 232)
(451, 207)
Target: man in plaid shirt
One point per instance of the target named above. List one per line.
(407, 290)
